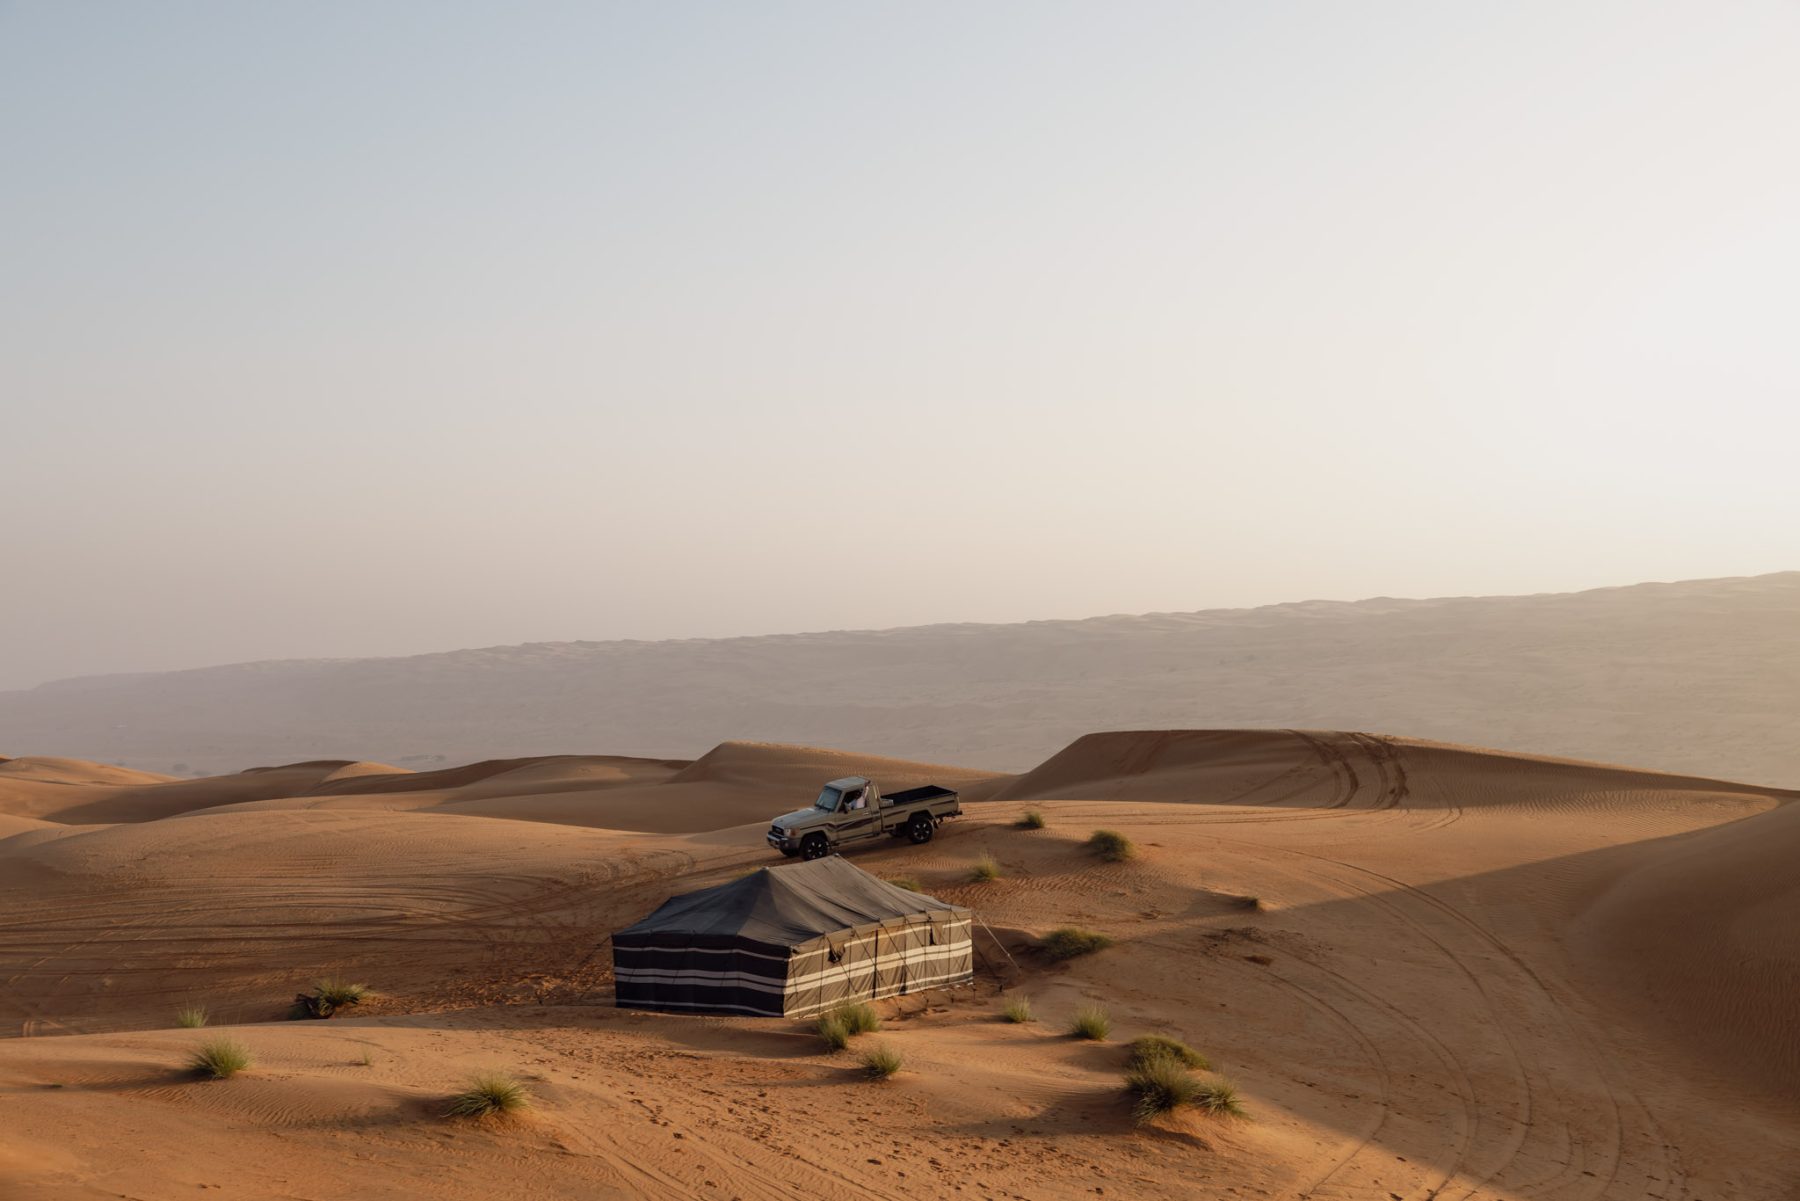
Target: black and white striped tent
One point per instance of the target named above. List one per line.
(791, 941)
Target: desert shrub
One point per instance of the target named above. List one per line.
(1066, 942)
(1091, 1022)
(340, 995)
(1161, 1083)
(219, 1059)
(489, 1092)
(878, 1063)
(191, 1017)
(1157, 1046)
(858, 1017)
(328, 996)
(1018, 1010)
(909, 883)
(1032, 819)
(986, 868)
(1111, 846)
(831, 1031)
(1220, 1098)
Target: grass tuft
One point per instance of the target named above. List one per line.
(1157, 1046)
(1111, 846)
(1092, 1023)
(220, 1059)
(338, 994)
(831, 1031)
(1219, 1098)
(489, 1092)
(1032, 819)
(880, 1062)
(1018, 1011)
(858, 1017)
(328, 996)
(909, 883)
(986, 868)
(1162, 1084)
(191, 1017)
(1066, 942)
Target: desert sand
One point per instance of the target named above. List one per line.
(1700, 677)
(1432, 971)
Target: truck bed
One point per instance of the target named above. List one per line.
(912, 796)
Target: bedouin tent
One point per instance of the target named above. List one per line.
(790, 941)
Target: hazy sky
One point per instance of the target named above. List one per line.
(348, 329)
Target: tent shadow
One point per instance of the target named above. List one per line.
(741, 1043)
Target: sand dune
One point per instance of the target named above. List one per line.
(45, 769)
(119, 795)
(1702, 936)
(734, 784)
(1334, 769)
(1466, 974)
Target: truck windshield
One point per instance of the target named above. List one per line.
(828, 800)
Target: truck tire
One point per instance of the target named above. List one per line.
(919, 830)
(813, 847)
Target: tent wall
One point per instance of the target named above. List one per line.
(734, 976)
(893, 959)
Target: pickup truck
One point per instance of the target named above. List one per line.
(853, 810)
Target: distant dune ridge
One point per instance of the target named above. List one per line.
(1701, 677)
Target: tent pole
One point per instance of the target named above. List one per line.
(997, 942)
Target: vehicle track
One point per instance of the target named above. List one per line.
(1552, 1022)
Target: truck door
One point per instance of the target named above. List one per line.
(859, 816)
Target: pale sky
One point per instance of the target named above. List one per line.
(347, 329)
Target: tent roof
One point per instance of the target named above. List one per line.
(788, 905)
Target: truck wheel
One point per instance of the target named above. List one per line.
(919, 830)
(814, 847)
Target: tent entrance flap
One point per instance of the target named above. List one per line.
(791, 941)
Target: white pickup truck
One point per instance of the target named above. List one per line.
(852, 810)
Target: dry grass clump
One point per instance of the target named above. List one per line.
(489, 1092)
(909, 883)
(1161, 1084)
(1018, 1011)
(328, 996)
(1111, 846)
(858, 1017)
(880, 1062)
(191, 1017)
(831, 1031)
(1066, 942)
(1219, 1098)
(220, 1059)
(1032, 819)
(986, 868)
(338, 994)
(1092, 1023)
(1157, 1046)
